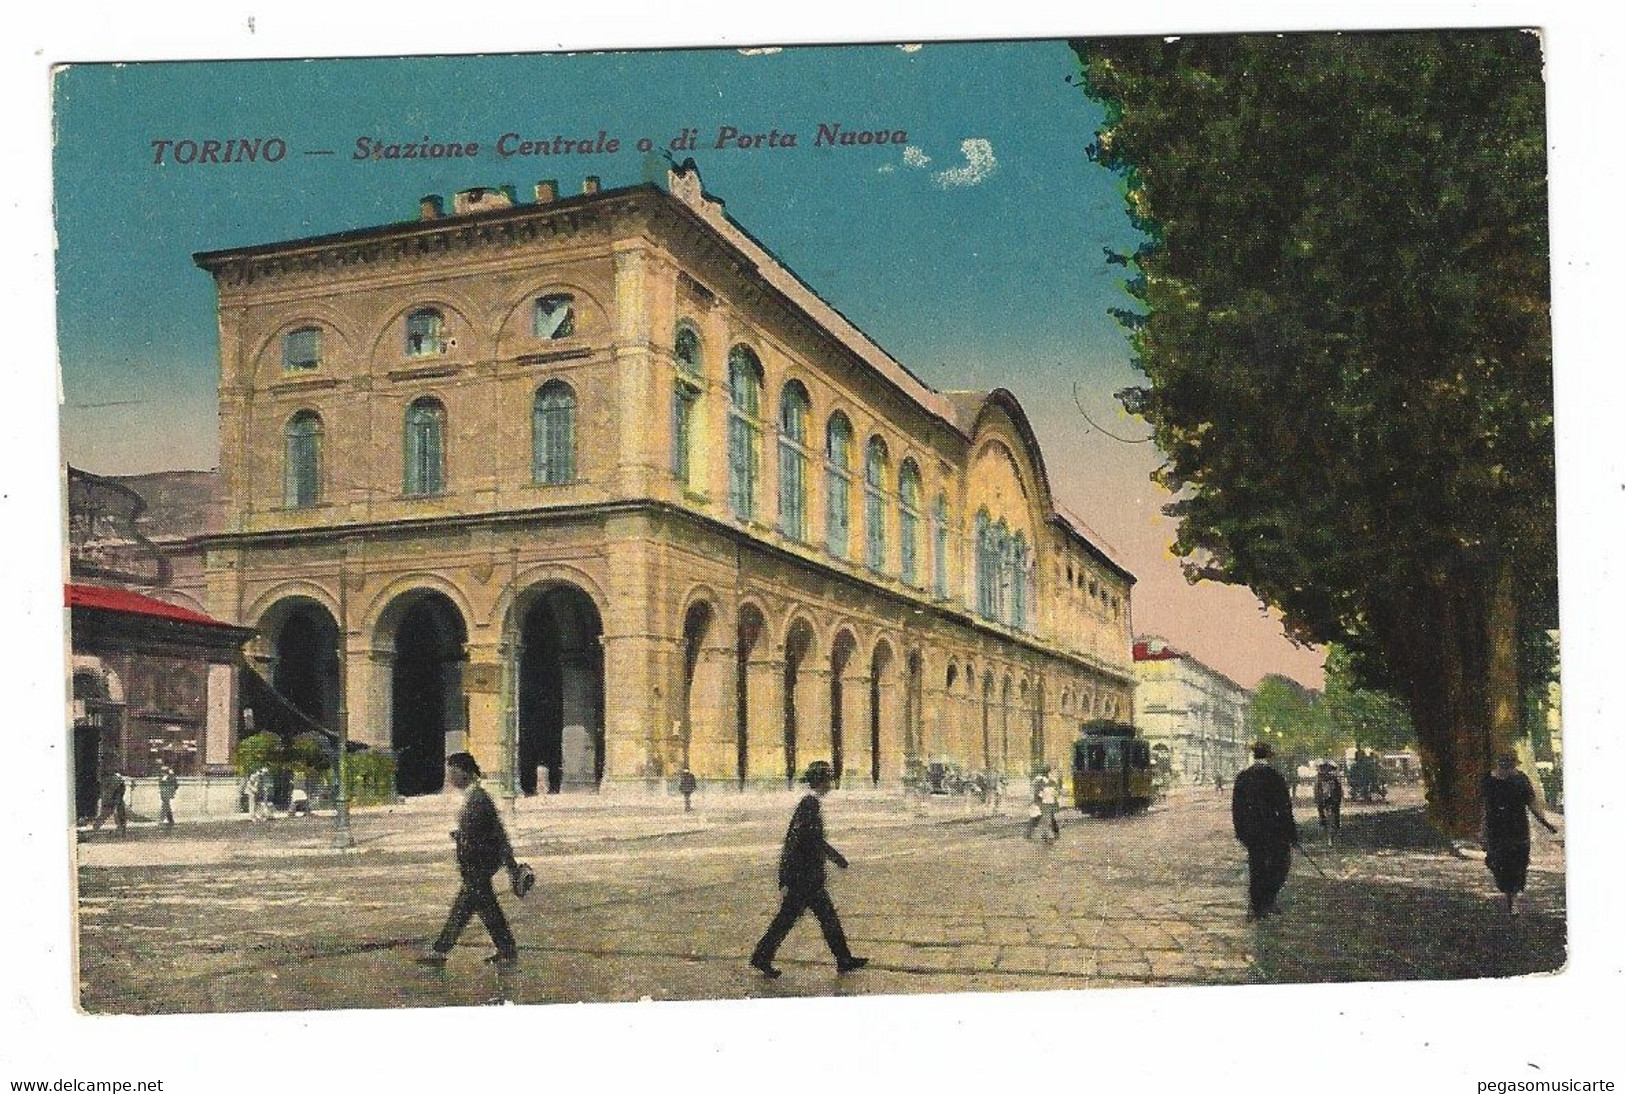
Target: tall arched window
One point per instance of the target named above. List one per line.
(1005, 563)
(939, 545)
(793, 411)
(985, 567)
(685, 402)
(908, 522)
(838, 472)
(874, 504)
(425, 333)
(1018, 582)
(425, 447)
(744, 430)
(553, 434)
(302, 460)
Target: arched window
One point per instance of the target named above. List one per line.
(908, 522)
(425, 333)
(939, 545)
(685, 401)
(554, 316)
(1004, 560)
(984, 580)
(1018, 583)
(874, 504)
(838, 473)
(425, 449)
(302, 460)
(744, 430)
(302, 349)
(553, 434)
(793, 413)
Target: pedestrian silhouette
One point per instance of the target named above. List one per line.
(112, 803)
(482, 850)
(1261, 811)
(686, 785)
(168, 783)
(1329, 800)
(1509, 798)
(801, 877)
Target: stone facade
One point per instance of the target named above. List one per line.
(1195, 713)
(654, 575)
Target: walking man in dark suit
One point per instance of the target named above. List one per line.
(1261, 810)
(482, 850)
(801, 876)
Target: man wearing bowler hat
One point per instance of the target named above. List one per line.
(482, 850)
(801, 876)
(1261, 811)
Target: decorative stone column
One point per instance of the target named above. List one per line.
(812, 714)
(487, 733)
(713, 737)
(368, 675)
(765, 722)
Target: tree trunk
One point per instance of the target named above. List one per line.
(1448, 640)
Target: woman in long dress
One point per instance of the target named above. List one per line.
(1509, 798)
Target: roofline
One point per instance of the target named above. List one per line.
(213, 261)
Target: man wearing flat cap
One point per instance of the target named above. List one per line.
(1261, 811)
(482, 850)
(801, 877)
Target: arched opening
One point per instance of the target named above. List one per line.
(561, 692)
(839, 658)
(749, 635)
(987, 721)
(796, 647)
(305, 666)
(427, 711)
(1004, 727)
(1040, 747)
(913, 708)
(879, 667)
(696, 625)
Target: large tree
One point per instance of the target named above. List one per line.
(1344, 327)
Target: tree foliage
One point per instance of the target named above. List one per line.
(1343, 322)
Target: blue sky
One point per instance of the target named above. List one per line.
(973, 253)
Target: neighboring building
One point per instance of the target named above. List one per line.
(153, 684)
(596, 484)
(1196, 713)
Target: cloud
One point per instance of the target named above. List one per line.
(760, 51)
(979, 164)
(886, 168)
(914, 157)
(912, 47)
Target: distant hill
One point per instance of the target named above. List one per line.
(180, 504)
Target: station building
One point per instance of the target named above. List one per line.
(596, 487)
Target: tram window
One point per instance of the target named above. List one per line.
(1097, 757)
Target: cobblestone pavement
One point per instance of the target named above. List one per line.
(637, 899)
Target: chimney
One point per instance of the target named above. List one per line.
(547, 191)
(430, 207)
(590, 186)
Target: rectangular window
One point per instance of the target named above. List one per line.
(302, 349)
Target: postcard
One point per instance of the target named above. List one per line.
(901, 519)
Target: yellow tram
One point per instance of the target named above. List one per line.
(1111, 769)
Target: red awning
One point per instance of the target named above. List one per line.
(101, 598)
